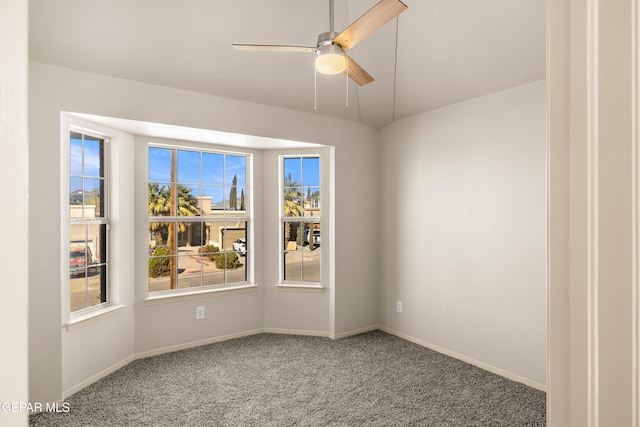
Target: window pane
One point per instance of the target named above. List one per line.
(87, 242)
(291, 171)
(312, 235)
(87, 269)
(96, 279)
(235, 198)
(76, 197)
(237, 233)
(311, 266)
(241, 201)
(158, 283)
(77, 286)
(293, 266)
(159, 196)
(212, 275)
(160, 257)
(292, 198)
(311, 171)
(236, 166)
(188, 167)
(97, 243)
(79, 253)
(236, 267)
(93, 198)
(212, 168)
(214, 236)
(189, 271)
(159, 164)
(158, 233)
(312, 201)
(75, 154)
(93, 159)
(200, 252)
(213, 200)
(188, 203)
(293, 236)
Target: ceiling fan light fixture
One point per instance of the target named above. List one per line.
(330, 59)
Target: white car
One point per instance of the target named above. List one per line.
(316, 237)
(240, 246)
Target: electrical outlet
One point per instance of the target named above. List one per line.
(199, 313)
(399, 306)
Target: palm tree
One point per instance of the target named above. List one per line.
(292, 207)
(160, 205)
(292, 198)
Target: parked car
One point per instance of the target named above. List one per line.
(240, 246)
(316, 237)
(79, 258)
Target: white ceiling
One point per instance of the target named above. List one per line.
(447, 50)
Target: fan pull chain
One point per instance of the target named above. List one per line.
(315, 88)
(347, 79)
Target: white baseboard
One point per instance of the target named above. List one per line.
(179, 347)
(199, 343)
(171, 349)
(124, 362)
(296, 332)
(466, 359)
(354, 332)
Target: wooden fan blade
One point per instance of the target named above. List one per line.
(356, 72)
(274, 48)
(368, 23)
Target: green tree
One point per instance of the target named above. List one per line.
(292, 198)
(242, 202)
(159, 205)
(292, 207)
(233, 194)
(160, 201)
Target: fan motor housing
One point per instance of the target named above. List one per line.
(326, 39)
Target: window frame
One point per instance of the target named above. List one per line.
(299, 284)
(106, 304)
(228, 217)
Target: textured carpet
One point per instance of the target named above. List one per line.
(372, 379)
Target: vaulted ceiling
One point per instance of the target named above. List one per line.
(436, 53)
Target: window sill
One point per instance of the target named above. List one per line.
(299, 287)
(190, 294)
(85, 319)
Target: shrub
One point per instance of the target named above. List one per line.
(232, 260)
(210, 251)
(159, 263)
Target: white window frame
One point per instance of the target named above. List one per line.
(196, 291)
(298, 284)
(78, 318)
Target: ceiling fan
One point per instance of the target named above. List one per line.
(331, 47)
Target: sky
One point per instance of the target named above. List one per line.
(217, 171)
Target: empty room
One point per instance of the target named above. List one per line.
(321, 212)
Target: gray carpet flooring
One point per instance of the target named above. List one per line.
(372, 379)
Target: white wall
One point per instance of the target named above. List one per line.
(53, 90)
(85, 343)
(308, 311)
(14, 168)
(172, 324)
(464, 232)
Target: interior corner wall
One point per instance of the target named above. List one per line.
(464, 230)
(14, 175)
(53, 90)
